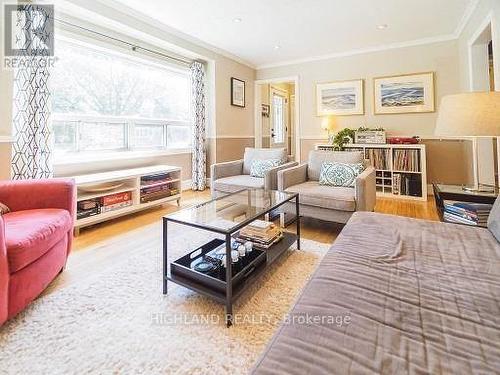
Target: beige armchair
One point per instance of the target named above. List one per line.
(235, 175)
(329, 203)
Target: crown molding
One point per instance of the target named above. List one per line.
(469, 11)
(360, 51)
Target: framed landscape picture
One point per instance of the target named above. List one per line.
(340, 98)
(237, 92)
(409, 93)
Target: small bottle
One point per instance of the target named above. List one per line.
(248, 246)
(242, 251)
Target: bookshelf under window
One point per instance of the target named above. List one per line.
(400, 169)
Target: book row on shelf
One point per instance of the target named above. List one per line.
(403, 160)
(475, 214)
(379, 158)
(91, 207)
(158, 186)
(406, 160)
(407, 184)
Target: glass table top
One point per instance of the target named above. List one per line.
(227, 213)
(459, 189)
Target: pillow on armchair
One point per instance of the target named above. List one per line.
(340, 174)
(259, 168)
(252, 154)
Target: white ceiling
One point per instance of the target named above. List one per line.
(307, 29)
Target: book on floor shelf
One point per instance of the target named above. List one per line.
(475, 214)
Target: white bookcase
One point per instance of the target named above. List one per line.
(400, 168)
(129, 180)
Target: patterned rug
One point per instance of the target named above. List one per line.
(118, 321)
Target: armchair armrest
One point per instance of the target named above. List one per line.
(4, 275)
(292, 176)
(46, 193)
(271, 176)
(365, 190)
(227, 169)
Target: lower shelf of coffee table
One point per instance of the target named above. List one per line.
(272, 254)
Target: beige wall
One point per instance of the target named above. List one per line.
(438, 57)
(482, 11)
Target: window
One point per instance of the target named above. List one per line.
(104, 101)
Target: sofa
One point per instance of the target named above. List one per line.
(35, 238)
(233, 176)
(324, 202)
(396, 295)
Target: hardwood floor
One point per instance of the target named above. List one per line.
(311, 228)
(93, 250)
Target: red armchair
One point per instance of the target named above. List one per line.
(35, 238)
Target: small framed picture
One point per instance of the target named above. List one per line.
(265, 110)
(408, 93)
(340, 98)
(237, 92)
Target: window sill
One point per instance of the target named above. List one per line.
(128, 155)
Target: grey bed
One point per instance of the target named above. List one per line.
(396, 295)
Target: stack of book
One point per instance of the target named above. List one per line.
(156, 192)
(262, 234)
(475, 214)
(116, 201)
(87, 208)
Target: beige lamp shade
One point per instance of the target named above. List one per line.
(469, 114)
(329, 123)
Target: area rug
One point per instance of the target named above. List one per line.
(118, 320)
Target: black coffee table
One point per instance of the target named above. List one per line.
(226, 216)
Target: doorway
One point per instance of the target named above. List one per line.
(275, 117)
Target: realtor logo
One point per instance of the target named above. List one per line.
(29, 30)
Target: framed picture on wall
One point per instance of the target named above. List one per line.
(408, 93)
(340, 98)
(237, 92)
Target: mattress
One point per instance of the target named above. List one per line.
(396, 295)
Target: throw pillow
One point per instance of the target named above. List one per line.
(258, 168)
(339, 174)
(4, 209)
(494, 220)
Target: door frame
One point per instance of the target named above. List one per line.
(258, 110)
(286, 95)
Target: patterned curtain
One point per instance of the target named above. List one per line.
(199, 131)
(31, 154)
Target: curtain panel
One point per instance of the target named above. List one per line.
(199, 126)
(32, 148)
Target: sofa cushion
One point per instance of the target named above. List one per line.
(339, 174)
(30, 234)
(494, 220)
(311, 193)
(318, 157)
(238, 182)
(252, 154)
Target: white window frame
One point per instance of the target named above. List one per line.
(129, 152)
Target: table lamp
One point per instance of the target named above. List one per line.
(474, 114)
(329, 123)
